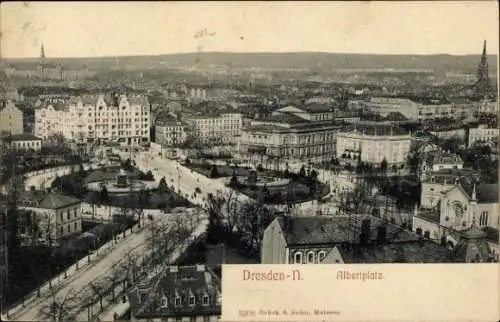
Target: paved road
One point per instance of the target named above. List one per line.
(135, 244)
(182, 178)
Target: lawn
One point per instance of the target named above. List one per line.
(74, 184)
(301, 188)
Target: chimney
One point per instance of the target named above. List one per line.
(364, 238)
(381, 234)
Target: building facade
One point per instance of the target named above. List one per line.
(222, 128)
(436, 183)
(24, 142)
(483, 135)
(435, 161)
(416, 108)
(459, 208)
(57, 216)
(104, 118)
(11, 119)
(293, 134)
(374, 143)
(170, 133)
(179, 293)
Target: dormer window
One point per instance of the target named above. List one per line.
(206, 300)
(164, 302)
(191, 300)
(297, 257)
(321, 256)
(310, 257)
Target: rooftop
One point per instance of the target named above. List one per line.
(424, 251)
(22, 137)
(376, 129)
(333, 230)
(47, 200)
(178, 291)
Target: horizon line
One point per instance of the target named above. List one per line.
(245, 52)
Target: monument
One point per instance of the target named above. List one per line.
(122, 180)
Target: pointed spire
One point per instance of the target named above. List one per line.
(474, 192)
(484, 49)
(42, 52)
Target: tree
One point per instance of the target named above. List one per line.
(383, 165)
(115, 276)
(215, 228)
(254, 219)
(59, 308)
(97, 288)
(214, 173)
(234, 181)
(162, 185)
(313, 174)
(354, 201)
(104, 195)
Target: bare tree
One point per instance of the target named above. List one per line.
(115, 276)
(255, 218)
(98, 288)
(60, 307)
(354, 201)
(132, 266)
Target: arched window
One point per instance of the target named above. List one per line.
(321, 256)
(419, 231)
(297, 258)
(310, 257)
(483, 219)
(427, 234)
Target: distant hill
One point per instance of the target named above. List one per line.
(301, 60)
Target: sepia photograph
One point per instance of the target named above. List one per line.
(145, 145)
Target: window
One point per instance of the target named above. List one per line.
(191, 300)
(192, 319)
(164, 302)
(483, 219)
(297, 258)
(205, 300)
(321, 256)
(206, 319)
(62, 230)
(177, 301)
(310, 257)
(76, 226)
(68, 215)
(178, 318)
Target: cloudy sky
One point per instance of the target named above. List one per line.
(104, 29)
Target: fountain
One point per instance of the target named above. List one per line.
(122, 184)
(122, 180)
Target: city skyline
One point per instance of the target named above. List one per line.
(97, 29)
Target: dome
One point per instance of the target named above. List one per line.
(472, 246)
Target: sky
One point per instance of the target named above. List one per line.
(86, 29)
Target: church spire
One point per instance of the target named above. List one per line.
(483, 81)
(42, 52)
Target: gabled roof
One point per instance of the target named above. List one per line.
(47, 200)
(308, 230)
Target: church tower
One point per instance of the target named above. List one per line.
(41, 67)
(483, 81)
